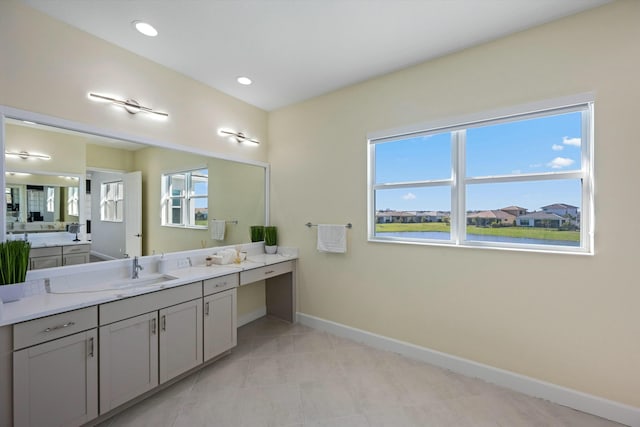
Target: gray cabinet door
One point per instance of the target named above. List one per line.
(180, 338)
(220, 323)
(128, 359)
(56, 383)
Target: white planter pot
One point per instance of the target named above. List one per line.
(10, 293)
(271, 249)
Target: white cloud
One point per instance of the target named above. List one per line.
(560, 162)
(571, 141)
(409, 196)
(557, 147)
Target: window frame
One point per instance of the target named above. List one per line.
(187, 201)
(459, 182)
(115, 201)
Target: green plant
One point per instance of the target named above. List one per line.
(270, 236)
(257, 233)
(14, 260)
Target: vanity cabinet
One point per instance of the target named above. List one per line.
(140, 351)
(220, 315)
(75, 254)
(128, 359)
(55, 375)
(56, 256)
(45, 257)
(180, 339)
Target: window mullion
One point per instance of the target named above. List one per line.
(458, 226)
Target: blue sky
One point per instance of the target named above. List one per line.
(546, 144)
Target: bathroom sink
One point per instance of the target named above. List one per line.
(140, 282)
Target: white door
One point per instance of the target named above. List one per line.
(133, 213)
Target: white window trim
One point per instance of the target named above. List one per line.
(165, 197)
(117, 199)
(458, 182)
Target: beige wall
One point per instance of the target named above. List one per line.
(236, 192)
(109, 158)
(49, 67)
(570, 320)
(67, 151)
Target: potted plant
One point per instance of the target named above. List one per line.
(270, 239)
(257, 233)
(14, 261)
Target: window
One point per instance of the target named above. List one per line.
(186, 199)
(51, 199)
(111, 201)
(73, 208)
(519, 180)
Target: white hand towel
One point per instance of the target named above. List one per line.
(332, 238)
(217, 229)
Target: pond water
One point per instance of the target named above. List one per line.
(441, 235)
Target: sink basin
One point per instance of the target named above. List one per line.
(152, 280)
(137, 283)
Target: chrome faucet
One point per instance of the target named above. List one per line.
(136, 268)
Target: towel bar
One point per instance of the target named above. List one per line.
(349, 225)
(234, 221)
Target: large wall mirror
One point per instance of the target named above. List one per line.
(65, 184)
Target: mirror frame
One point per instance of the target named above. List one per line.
(7, 112)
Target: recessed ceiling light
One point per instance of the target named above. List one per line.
(146, 29)
(244, 81)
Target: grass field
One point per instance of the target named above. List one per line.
(528, 232)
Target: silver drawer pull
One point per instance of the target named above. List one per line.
(153, 326)
(269, 272)
(91, 347)
(221, 284)
(206, 309)
(55, 328)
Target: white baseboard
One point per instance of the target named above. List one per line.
(611, 410)
(250, 317)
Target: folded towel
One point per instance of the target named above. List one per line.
(332, 238)
(217, 229)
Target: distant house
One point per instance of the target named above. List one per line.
(385, 217)
(562, 209)
(486, 218)
(515, 210)
(430, 216)
(541, 219)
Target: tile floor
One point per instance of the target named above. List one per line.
(291, 375)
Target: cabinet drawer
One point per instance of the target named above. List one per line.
(48, 328)
(134, 306)
(265, 272)
(218, 284)
(74, 249)
(52, 251)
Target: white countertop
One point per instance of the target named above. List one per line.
(45, 304)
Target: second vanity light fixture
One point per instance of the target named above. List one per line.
(239, 136)
(131, 105)
(24, 155)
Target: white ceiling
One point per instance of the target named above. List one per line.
(298, 49)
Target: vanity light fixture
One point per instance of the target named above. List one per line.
(239, 136)
(26, 155)
(131, 105)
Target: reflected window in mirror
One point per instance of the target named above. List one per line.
(111, 201)
(73, 205)
(186, 198)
